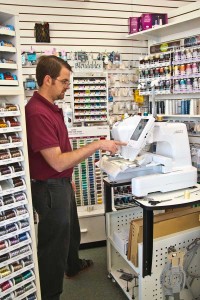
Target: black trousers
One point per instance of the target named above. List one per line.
(58, 233)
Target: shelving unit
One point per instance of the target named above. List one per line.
(149, 287)
(186, 25)
(184, 63)
(90, 94)
(18, 259)
(174, 72)
(89, 184)
(140, 287)
(186, 74)
(157, 68)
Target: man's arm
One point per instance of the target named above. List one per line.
(62, 161)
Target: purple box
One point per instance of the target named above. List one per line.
(153, 20)
(134, 25)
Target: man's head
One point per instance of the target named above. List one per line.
(53, 75)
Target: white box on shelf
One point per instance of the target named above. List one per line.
(120, 237)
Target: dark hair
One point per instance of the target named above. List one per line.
(50, 65)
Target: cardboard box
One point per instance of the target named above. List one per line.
(152, 20)
(134, 24)
(178, 208)
(164, 224)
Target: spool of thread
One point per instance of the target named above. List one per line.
(159, 118)
(187, 194)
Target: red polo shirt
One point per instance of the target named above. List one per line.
(45, 129)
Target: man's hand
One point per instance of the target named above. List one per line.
(73, 186)
(111, 146)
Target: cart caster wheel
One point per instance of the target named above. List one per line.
(109, 276)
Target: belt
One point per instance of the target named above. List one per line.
(51, 180)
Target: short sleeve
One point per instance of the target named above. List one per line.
(41, 133)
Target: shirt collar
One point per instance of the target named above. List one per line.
(53, 107)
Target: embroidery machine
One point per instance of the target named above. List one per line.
(165, 166)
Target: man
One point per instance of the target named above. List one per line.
(51, 162)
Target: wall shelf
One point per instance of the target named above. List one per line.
(7, 49)
(158, 32)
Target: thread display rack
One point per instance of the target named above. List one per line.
(88, 177)
(90, 94)
(155, 68)
(19, 277)
(186, 70)
(89, 184)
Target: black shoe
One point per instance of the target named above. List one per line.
(84, 265)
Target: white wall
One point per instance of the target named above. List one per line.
(92, 26)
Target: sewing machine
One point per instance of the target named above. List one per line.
(166, 164)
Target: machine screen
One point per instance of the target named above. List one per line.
(138, 130)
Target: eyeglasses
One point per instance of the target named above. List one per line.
(64, 81)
